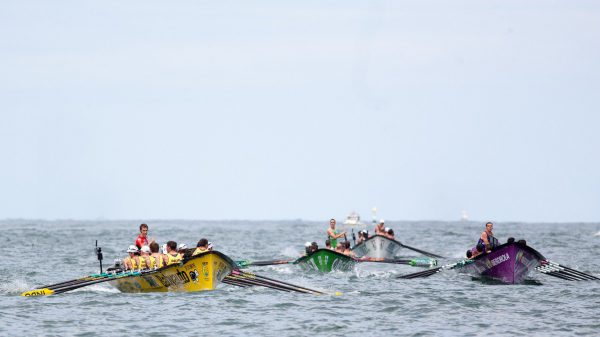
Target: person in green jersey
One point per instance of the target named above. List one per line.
(333, 234)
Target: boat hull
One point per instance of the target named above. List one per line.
(509, 263)
(199, 273)
(378, 246)
(325, 261)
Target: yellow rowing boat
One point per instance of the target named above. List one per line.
(198, 273)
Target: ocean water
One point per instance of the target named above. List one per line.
(374, 302)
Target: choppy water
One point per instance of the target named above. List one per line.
(373, 303)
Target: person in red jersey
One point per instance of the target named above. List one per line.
(142, 239)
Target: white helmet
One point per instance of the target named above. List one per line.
(132, 249)
(181, 246)
(308, 244)
(209, 246)
(381, 221)
(146, 249)
(387, 229)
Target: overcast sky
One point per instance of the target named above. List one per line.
(304, 109)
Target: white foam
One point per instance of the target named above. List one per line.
(597, 234)
(15, 286)
(290, 252)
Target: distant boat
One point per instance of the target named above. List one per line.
(464, 216)
(353, 220)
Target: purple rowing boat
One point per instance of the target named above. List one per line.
(508, 263)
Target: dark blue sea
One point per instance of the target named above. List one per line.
(373, 303)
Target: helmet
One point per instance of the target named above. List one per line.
(387, 229)
(307, 244)
(146, 249)
(210, 245)
(132, 249)
(381, 221)
(181, 246)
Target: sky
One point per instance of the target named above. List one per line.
(300, 110)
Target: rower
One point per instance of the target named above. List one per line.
(158, 257)
(332, 233)
(210, 245)
(487, 240)
(390, 233)
(307, 248)
(362, 236)
(328, 244)
(347, 250)
(380, 228)
(172, 257)
(132, 261)
(147, 261)
(142, 239)
(340, 248)
(201, 247)
(314, 247)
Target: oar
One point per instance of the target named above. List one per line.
(278, 283)
(264, 281)
(69, 287)
(557, 270)
(429, 272)
(246, 263)
(421, 251)
(413, 262)
(250, 282)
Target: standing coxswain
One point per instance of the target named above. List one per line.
(333, 234)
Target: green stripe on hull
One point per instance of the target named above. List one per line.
(325, 260)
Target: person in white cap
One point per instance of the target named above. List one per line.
(380, 228)
(147, 261)
(132, 262)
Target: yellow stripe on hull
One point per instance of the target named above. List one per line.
(199, 273)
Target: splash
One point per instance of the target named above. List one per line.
(15, 286)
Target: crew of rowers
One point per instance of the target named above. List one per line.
(146, 255)
(344, 247)
(341, 247)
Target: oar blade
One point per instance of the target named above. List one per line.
(38, 292)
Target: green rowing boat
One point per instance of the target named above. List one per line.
(326, 260)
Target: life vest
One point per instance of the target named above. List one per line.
(144, 263)
(133, 262)
(173, 259)
(199, 251)
(159, 261)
